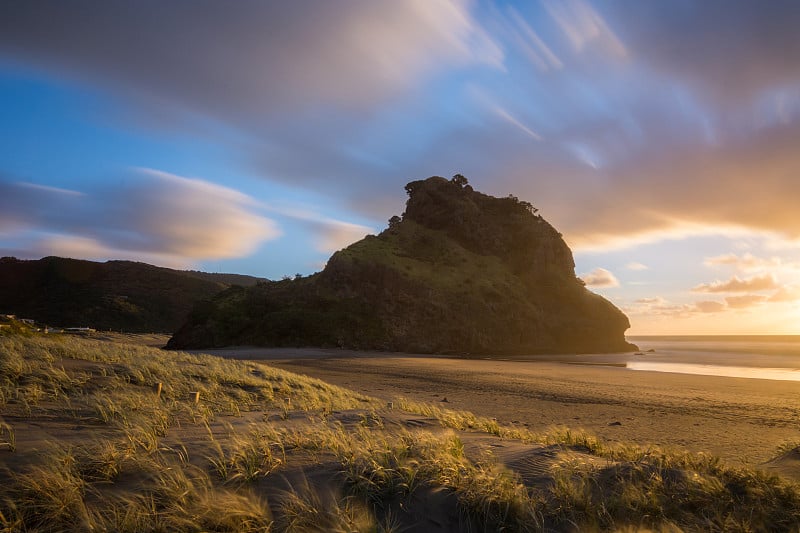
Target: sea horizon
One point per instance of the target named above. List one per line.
(746, 356)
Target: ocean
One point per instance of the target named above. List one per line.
(775, 357)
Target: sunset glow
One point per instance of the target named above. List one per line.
(661, 138)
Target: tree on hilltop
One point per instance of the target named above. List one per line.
(459, 180)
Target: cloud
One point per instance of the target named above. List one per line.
(691, 189)
(660, 306)
(583, 26)
(709, 306)
(330, 234)
(600, 278)
(529, 42)
(636, 266)
(653, 118)
(657, 300)
(787, 293)
(94, 250)
(151, 214)
(735, 284)
(333, 235)
(744, 301)
(745, 262)
(254, 60)
(732, 50)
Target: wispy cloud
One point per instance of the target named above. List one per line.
(787, 293)
(152, 214)
(508, 117)
(49, 189)
(531, 44)
(329, 233)
(656, 300)
(709, 306)
(735, 284)
(255, 60)
(744, 301)
(636, 266)
(744, 262)
(584, 27)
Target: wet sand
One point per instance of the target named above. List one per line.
(741, 420)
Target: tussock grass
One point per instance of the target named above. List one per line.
(8, 438)
(136, 477)
(306, 509)
(649, 487)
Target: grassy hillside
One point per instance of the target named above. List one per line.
(117, 295)
(86, 444)
(460, 272)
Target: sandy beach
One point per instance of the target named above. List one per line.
(741, 420)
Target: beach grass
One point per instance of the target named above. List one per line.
(87, 443)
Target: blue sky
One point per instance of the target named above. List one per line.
(659, 138)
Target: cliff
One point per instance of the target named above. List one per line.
(460, 272)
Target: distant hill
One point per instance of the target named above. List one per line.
(118, 295)
(461, 271)
(226, 279)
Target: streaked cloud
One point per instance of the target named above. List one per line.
(505, 115)
(657, 300)
(628, 124)
(256, 60)
(94, 250)
(49, 189)
(729, 51)
(330, 234)
(600, 278)
(735, 284)
(151, 213)
(584, 27)
(744, 262)
(530, 43)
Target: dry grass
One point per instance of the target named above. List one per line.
(232, 475)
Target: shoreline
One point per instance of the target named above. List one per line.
(741, 420)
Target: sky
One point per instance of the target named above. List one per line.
(661, 138)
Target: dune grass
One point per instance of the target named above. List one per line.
(298, 466)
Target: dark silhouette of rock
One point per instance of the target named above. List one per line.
(118, 295)
(460, 272)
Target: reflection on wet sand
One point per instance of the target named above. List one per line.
(782, 374)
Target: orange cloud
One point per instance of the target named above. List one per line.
(600, 278)
(746, 261)
(756, 283)
(787, 293)
(709, 306)
(747, 300)
(651, 301)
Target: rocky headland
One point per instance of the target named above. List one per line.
(459, 272)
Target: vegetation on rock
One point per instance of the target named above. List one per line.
(460, 272)
(117, 295)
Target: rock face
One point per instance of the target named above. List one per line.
(460, 272)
